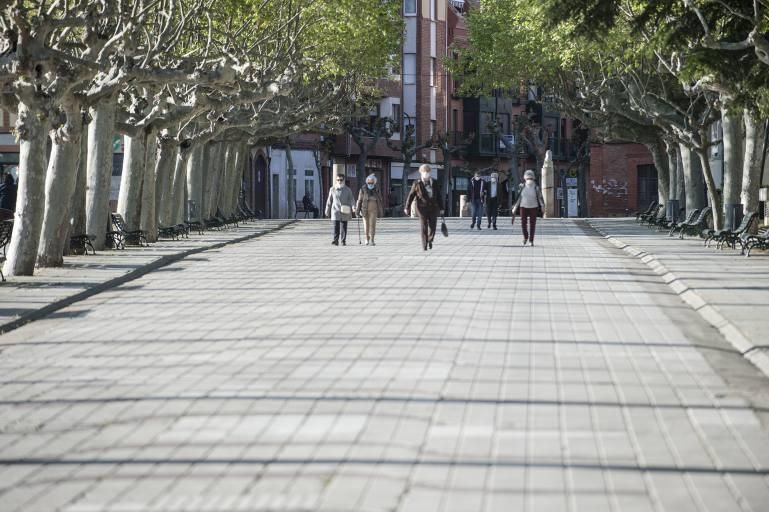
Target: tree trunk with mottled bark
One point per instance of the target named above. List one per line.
(754, 152)
(21, 253)
(99, 171)
(694, 185)
(77, 206)
(129, 200)
(148, 217)
(164, 176)
(195, 177)
(733, 158)
(60, 184)
(710, 183)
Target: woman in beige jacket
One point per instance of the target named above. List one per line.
(370, 206)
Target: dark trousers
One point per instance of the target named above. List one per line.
(337, 225)
(528, 218)
(477, 211)
(492, 205)
(315, 212)
(428, 229)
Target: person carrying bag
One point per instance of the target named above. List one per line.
(529, 206)
(339, 207)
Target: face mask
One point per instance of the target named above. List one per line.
(476, 178)
(493, 180)
(425, 176)
(370, 186)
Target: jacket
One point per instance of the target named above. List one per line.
(426, 206)
(8, 196)
(540, 198)
(363, 198)
(336, 198)
(476, 190)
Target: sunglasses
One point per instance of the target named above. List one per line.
(340, 179)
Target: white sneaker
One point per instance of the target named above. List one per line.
(366, 242)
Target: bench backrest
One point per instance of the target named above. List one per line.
(6, 230)
(747, 220)
(692, 215)
(118, 222)
(661, 213)
(651, 207)
(703, 215)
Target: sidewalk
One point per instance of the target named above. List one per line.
(27, 298)
(730, 291)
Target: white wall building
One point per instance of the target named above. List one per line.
(306, 180)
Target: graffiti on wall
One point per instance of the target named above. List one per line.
(610, 187)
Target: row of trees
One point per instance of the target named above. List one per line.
(660, 73)
(189, 84)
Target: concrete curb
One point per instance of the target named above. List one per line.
(162, 261)
(747, 348)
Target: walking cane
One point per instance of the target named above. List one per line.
(358, 217)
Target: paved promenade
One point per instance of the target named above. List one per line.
(283, 373)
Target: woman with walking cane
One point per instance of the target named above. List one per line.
(370, 206)
(339, 207)
(428, 201)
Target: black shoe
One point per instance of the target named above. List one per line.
(531, 243)
(334, 242)
(424, 248)
(344, 243)
(472, 225)
(430, 245)
(524, 241)
(489, 226)
(495, 227)
(479, 227)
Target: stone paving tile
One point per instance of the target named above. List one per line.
(286, 374)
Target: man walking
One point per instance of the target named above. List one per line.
(477, 193)
(492, 201)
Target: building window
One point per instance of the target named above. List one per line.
(409, 68)
(409, 7)
(396, 117)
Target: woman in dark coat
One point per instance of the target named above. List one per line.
(428, 199)
(8, 193)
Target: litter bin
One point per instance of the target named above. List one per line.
(672, 213)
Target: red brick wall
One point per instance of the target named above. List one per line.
(612, 183)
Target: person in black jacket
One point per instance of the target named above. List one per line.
(477, 193)
(428, 199)
(8, 193)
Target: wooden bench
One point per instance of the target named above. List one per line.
(698, 225)
(118, 237)
(300, 209)
(731, 237)
(79, 244)
(759, 241)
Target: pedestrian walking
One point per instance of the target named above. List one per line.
(477, 193)
(339, 207)
(370, 206)
(425, 193)
(492, 201)
(529, 205)
(8, 192)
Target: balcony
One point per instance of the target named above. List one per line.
(459, 5)
(564, 149)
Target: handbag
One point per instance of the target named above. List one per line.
(345, 209)
(444, 227)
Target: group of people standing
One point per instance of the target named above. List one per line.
(424, 194)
